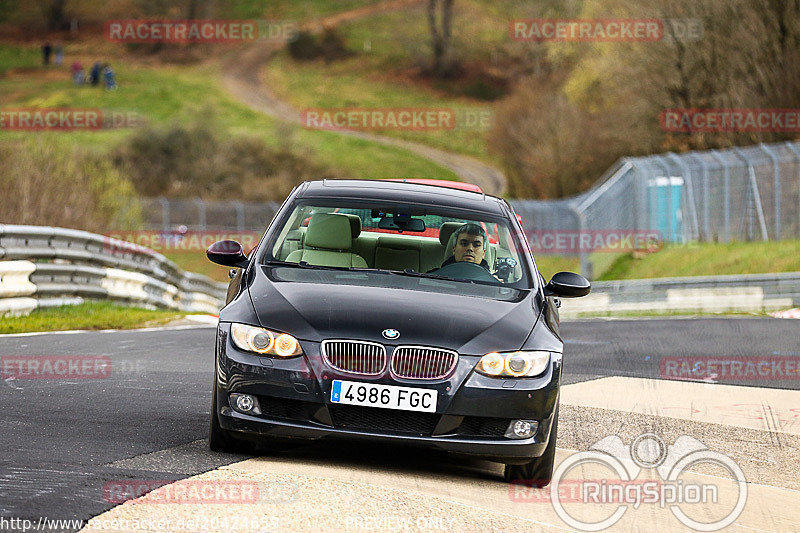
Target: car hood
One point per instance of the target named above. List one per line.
(314, 305)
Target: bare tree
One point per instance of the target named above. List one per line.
(441, 32)
(55, 11)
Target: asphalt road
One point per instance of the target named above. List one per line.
(64, 439)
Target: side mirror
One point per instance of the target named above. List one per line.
(227, 253)
(567, 285)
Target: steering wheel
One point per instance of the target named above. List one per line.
(465, 270)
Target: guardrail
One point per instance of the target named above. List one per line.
(46, 267)
(710, 294)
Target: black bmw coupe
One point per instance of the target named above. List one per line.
(392, 311)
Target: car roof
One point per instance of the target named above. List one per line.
(439, 183)
(404, 191)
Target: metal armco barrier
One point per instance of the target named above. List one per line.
(46, 267)
(750, 193)
(713, 294)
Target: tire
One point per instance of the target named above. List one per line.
(219, 439)
(539, 471)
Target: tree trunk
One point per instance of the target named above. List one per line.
(56, 15)
(440, 36)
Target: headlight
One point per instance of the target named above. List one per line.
(264, 341)
(513, 364)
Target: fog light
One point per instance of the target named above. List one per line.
(244, 403)
(522, 429)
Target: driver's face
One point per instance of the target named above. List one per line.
(469, 248)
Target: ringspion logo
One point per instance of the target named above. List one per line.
(669, 489)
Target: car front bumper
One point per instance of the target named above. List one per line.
(473, 411)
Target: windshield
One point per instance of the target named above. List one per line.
(419, 241)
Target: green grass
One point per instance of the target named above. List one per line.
(696, 259)
(89, 315)
(182, 93)
(551, 264)
(290, 10)
(709, 259)
(18, 57)
(315, 85)
(389, 48)
(198, 263)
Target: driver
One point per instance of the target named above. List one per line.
(469, 245)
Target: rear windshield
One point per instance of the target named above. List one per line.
(413, 240)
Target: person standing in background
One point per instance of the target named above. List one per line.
(47, 49)
(94, 74)
(59, 54)
(108, 75)
(77, 73)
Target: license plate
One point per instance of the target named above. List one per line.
(386, 396)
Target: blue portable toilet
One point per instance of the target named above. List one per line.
(664, 206)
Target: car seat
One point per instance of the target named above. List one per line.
(328, 241)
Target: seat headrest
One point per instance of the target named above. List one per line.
(329, 231)
(355, 224)
(447, 230)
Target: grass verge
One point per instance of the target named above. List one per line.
(171, 93)
(198, 263)
(319, 86)
(390, 54)
(88, 315)
(289, 10)
(687, 260)
(708, 259)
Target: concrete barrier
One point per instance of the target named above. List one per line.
(45, 266)
(711, 294)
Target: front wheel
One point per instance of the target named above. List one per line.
(539, 471)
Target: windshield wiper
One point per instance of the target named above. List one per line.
(277, 262)
(409, 272)
(406, 272)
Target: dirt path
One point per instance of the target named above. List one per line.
(241, 77)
